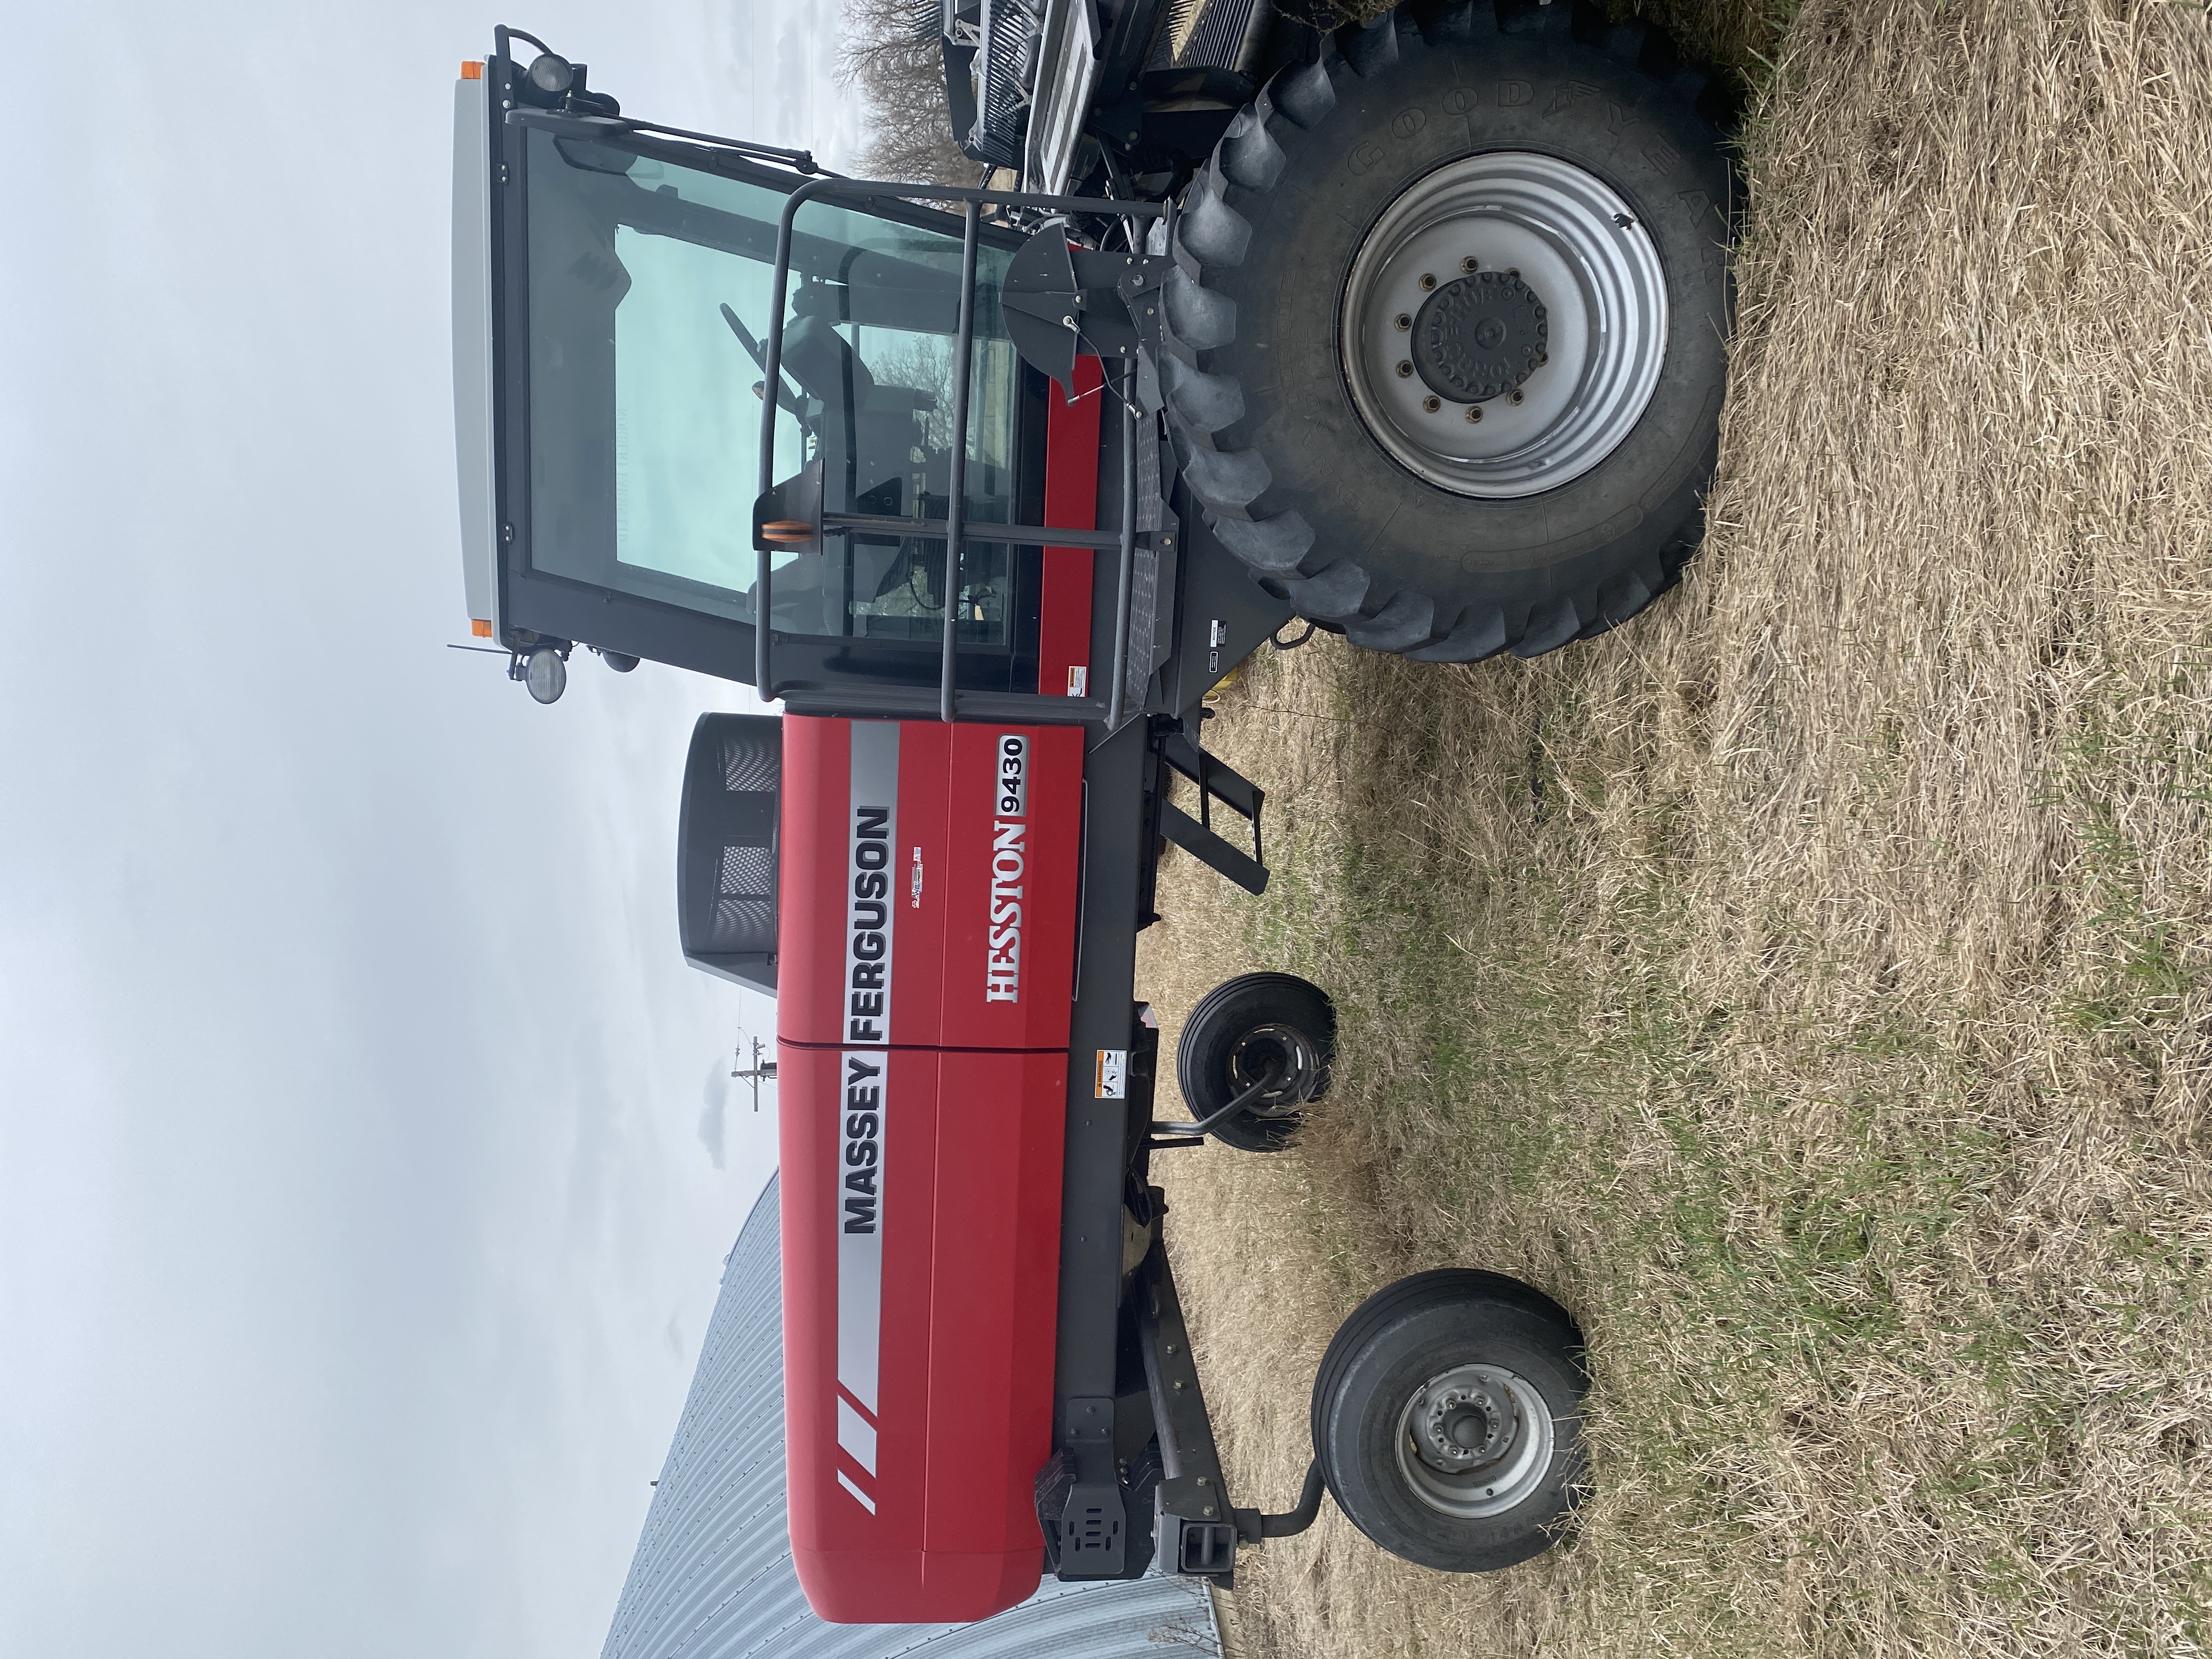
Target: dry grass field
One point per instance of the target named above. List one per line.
(1811, 985)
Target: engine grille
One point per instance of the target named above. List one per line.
(1191, 34)
(1202, 34)
(1008, 58)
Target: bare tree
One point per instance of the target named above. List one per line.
(891, 59)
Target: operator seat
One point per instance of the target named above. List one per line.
(869, 434)
(870, 430)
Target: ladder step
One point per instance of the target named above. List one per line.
(1209, 849)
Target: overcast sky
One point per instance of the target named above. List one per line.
(367, 1154)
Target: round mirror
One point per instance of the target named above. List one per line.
(552, 73)
(547, 676)
(621, 662)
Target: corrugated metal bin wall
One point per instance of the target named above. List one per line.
(713, 1577)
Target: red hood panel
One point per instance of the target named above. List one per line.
(920, 1201)
(926, 931)
(929, 878)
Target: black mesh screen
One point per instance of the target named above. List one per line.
(748, 872)
(726, 856)
(744, 908)
(743, 924)
(750, 765)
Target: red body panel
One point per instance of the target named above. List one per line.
(983, 955)
(922, 1091)
(852, 1561)
(911, 1461)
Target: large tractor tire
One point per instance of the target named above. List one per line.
(1447, 1419)
(1450, 316)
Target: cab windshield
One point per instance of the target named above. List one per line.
(648, 292)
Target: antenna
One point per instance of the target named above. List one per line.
(758, 1073)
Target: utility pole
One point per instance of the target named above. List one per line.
(759, 1073)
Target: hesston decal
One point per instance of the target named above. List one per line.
(1013, 779)
(1002, 964)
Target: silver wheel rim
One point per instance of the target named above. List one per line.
(1578, 246)
(1266, 1045)
(1474, 1441)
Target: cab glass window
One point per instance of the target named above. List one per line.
(648, 304)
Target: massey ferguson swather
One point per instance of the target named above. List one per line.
(1412, 330)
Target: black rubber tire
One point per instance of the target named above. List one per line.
(1396, 1341)
(1229, 1012)
(1289, 477)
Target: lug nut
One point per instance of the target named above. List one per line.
(1404, 368)
(1474, 413)
(1404, 321)
(1516, 395)
(1427, 281)
(1432, 404)
(1470, 264)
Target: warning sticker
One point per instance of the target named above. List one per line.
(1113, 1073)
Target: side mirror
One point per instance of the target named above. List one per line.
(545, 674)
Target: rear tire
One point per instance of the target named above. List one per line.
(1447, 1419)
(1435, 504)
(1239, 1030)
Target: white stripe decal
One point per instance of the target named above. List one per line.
(859, 1208)
(859, 1199)
(856, 1435)
(866, 1501)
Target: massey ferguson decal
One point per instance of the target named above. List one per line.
(1002, 964)
(859, 1195)
(868, 909)
(860, 1201)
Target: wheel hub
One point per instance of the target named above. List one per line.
(1504, 324)
(1474, 1440)
(1460, 1429)
(1287, 1053)
(1480, 337)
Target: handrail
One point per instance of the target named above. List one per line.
(989, 531)
(956, 532)
(956, 488)
(1128, 543)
